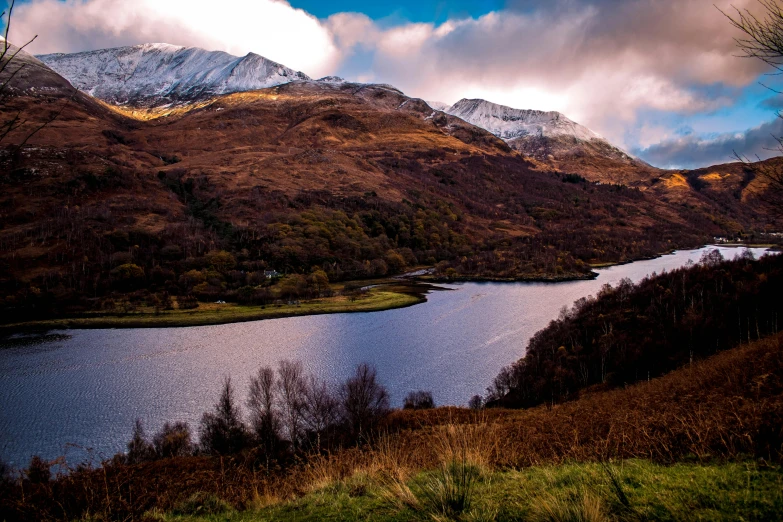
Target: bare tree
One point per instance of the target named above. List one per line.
(10, 67)
(763, 39)
(264, 419)
(8, 71)
(39, 471)
(418, 400)
(322, 410)
(364, 401)
(476, 402)
(762, 36)
(291, 388)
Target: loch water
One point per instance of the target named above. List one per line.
(77, 393)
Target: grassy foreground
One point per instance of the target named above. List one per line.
(632, 490)
(376, 299)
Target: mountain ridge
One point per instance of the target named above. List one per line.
(509, 123)
(156, 74)
(555, 140)
(159, 75)
(359, 180)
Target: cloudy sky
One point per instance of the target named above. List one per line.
(660, 78)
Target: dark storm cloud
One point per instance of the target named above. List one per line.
(691, 151)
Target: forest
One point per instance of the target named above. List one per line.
(89, 257)
(635, 332)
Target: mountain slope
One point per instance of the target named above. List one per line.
(556, 140)
(156, 74)
(32, 77)
(358, 180)
(508, 124)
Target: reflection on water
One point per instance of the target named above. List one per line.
(34, 339)
(87, 387)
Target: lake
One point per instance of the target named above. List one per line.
(78, 394)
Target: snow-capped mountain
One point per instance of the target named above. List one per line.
(554, 139)
(508, 124)
(439, 106)
(332, 79)
(158, 74)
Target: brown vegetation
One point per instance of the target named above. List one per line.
(727, 407)
(635, 332)
(104, 208)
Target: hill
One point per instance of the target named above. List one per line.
(704, 422)
(353, 180)
(637, 331)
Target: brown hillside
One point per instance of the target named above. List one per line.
(727, 407)
(302, 175)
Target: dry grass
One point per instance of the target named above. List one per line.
(727, 407)
(586, 507)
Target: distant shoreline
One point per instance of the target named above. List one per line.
(377, 299)
(383, 294)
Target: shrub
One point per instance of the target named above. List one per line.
(171, 252)
(38, 471)
(221, 260)
(173, 440)
(139, 448)
(202, 504)
(395, 262)
(187, 302)
(127, 276)
(582, 507)
(222, 432)
(121, 258)
(5, 471)
(419, 400)
(292, 286)
(448, 492)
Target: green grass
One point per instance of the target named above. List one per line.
(376, 299)
(633, 490)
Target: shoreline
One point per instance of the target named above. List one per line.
(521, 279)
(376, 300)
(384, 294)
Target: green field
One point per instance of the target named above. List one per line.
(631, 490)
(376, 299)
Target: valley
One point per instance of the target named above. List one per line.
(230, 290)
(108, 205)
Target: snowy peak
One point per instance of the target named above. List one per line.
(159, 73)
(508, 123)
(332, 79)
(438, 106)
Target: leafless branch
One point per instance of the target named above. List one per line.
(763, 39)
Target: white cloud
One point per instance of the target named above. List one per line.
(271, 28)
(601, 62)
